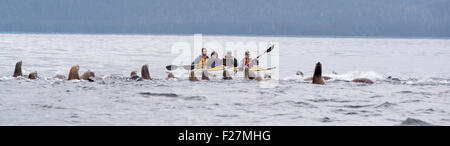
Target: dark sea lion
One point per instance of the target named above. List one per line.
(18, 69)
(145, 73)
(363, 80)
(192, 76)
(393, 79)
(170, 76)
(73, 74)
(324, 78)
(205, 75)
(226, 75)
(33, 75)
(88, 75)
(134, 76)
(299, 73)
(317, 78)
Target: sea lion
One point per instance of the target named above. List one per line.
(134, 76)
(145, 73)
(18, 69)
(170, 76)
(258, 78)
(33, 75)
(226, 75)
(73, 74)
(393, 79)
(267, 76)
(363, 80)
(324, 78)
(299, 73)
(88, 75)
(249, 74)
(317, 77)
(192, 77)
(61, 77)
(205, 75)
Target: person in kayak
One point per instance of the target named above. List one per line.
(200, 60)
(230, 60)
(248, 62)
(214, 61)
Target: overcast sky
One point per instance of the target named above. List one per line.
(404, 18)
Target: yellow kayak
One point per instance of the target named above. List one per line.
(219, 68)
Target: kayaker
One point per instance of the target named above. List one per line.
(247, 61)
(230, 60)
(214, 61)
(200, 60)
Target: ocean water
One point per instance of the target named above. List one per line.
(420, 94)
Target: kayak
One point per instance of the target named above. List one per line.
(220, 68)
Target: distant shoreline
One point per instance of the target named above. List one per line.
(238, 35)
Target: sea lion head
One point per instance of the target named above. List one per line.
(133, 73)
(170, 76)
(33, 75)
(317, 78)
(134, 76)
(192, 76)
(318, 70)
(145, 73)
(205, 75)
(88, 75)
(18, 69)
(73, 74)
(299, 73)
(226, 75)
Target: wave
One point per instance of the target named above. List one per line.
(414, 122)
(146, 94)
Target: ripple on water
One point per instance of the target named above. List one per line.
(173, 95)
(386, 105)
(227, 116)
(414, 122)
(328, 100)
(326, 120)
(357, 106)
(301, 104)
(147, 94)
(196, 98)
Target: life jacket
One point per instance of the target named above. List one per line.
(246, 62)
(204, 60)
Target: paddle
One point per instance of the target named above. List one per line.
(267, 51)
(174, 67)
(188, 67)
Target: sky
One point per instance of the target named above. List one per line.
(392, 18)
